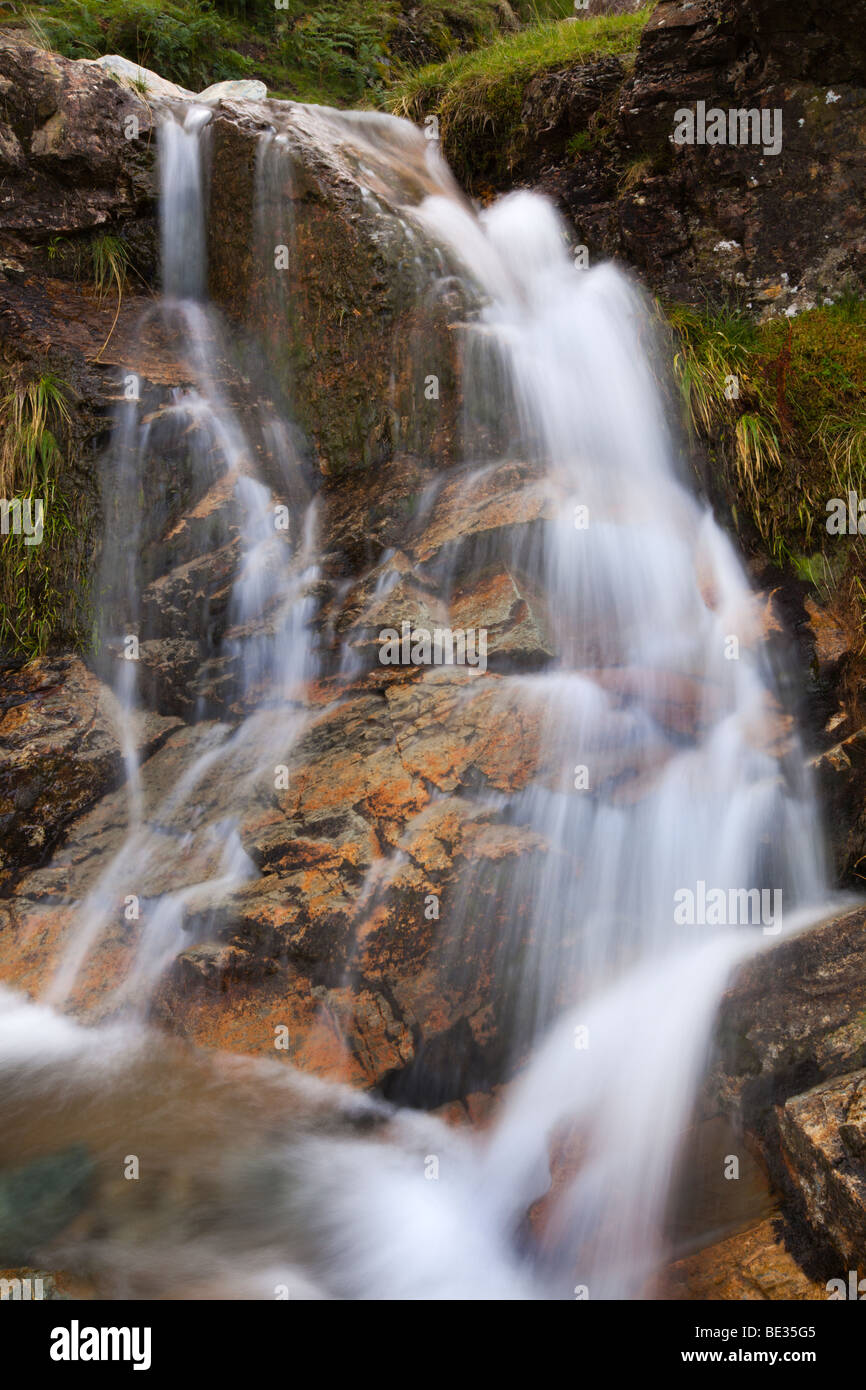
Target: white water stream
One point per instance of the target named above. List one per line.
(613, 999)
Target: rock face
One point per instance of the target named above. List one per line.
(357, 334)
(791, 1048)
(60, 741)
(774, 221)
(342, 932)
(780, 230)
(795, 1016)
(823, 1134)
(776, 225)
(752, 1265)
(69, 156)
(559, 104)
(840, 771)
(353, 340)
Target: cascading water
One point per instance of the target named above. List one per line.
(653, 778)
(182, 208)
(657, 723)
(267, 639)
(660, 706)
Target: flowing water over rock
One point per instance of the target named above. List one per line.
(663, 825)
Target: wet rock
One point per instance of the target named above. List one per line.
(349, 760)
(60, 732)
(476, 517)
(360, 979)
(450, 991)
(840, 773)
(832, 640)
(510, 610)
(681, 704)
(344, 927)
(795, 1015)
(186, 568)
(823, 1137)
(465, 560)
(790, 1049)
(393, 599)
(502, 617)
(751, 1265)
(362, 332)
(455, 728)
(169, 668)
(705, 1204)
(336, 1033)
(39, 1200)
(364, 522)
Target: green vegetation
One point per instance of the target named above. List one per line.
(478, 96)
(328, 51)
(110, 264)
(539, 11)
(29, 451)
(39, 583)
(782, 409)
(183, 42)
(332, 51)
(579, 143)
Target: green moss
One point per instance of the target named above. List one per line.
(580, 142)
(478, 96)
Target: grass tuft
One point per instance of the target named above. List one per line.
(38, 583)
(792, 434)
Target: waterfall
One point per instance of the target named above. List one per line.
(660, 708)
(265, 644)
(664, 784)
(182, 206)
